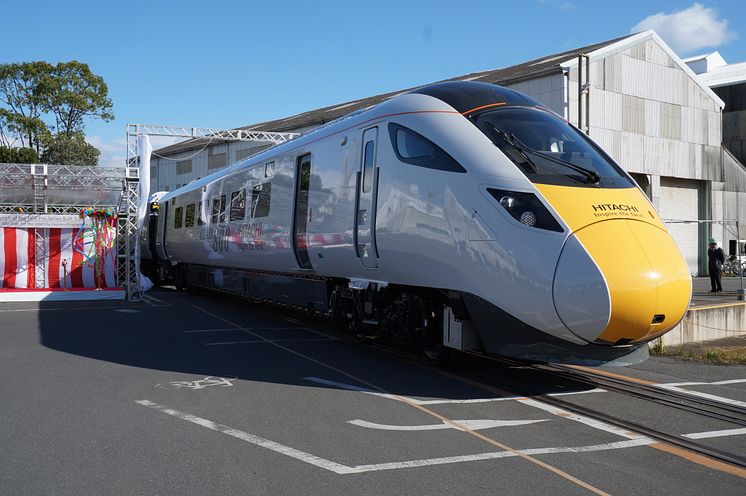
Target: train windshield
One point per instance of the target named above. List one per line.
(548, 150)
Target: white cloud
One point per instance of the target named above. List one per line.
(693, 28)
(113, 153)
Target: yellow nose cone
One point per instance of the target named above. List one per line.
(649, 283)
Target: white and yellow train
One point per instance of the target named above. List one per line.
(460, 215)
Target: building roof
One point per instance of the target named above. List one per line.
(506, 75)
(705, 62)
(725, 75)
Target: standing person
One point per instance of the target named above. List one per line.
(715, 260)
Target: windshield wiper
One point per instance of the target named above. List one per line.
(591, 177)
(510, 140)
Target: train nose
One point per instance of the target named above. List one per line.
(621, 281)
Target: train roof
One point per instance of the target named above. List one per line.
(505, 75)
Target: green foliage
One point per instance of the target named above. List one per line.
(70, 150)
(41, 103)
(24, 91)
(10, 155)
(77, 93)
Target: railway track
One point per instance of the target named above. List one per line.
(709, 408)
(680, 401)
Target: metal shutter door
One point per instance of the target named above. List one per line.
(679, 200)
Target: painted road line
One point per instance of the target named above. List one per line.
(505, 398)
(342, 469)
(156, 302)
(350, 387)
(250, 438)
(722, 399)
(213, 330)
(559, 472)
(596, 424)
(226, 329)
(474, 425)
(270, 341)
(709, 434)
(499, 454)
(10, 310)
(716, 383)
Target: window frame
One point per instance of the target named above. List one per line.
(233, 211)
(178, 217)
(368, 168)
(261, 192)
(187, 219)
(218, 215)
(439, 160)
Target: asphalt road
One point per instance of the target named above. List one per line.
(205, 395)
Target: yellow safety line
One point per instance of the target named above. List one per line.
(721, 305)
(613, 375)
(459, 426)
(674, 450)
(700, 459)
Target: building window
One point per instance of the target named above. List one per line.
(184, 167)
(260, 200)
(218, 209)
(189, 219)
(238, 205)
(178, 217)
(217, 160)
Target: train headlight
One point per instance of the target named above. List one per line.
(507, 202)
(526, 209)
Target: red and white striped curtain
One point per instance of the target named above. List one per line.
(63, 260)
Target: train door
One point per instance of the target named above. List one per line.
(300, 217)
(365, 211)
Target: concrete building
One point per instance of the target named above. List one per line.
(640, 102)
(728, 81)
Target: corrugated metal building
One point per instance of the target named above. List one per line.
(645, 107)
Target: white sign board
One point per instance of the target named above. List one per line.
(40, 220)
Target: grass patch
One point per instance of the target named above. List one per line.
(731, 355)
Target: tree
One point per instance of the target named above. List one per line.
(18, 155)
(77, 93)
(25, 91)
(45, 105)
(70, 150)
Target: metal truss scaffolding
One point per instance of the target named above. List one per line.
(57, 189)
(127, 237)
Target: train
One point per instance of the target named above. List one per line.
(457, 216)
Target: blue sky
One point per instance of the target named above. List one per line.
(232, 63)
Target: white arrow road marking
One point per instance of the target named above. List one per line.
(341, 469)
(473, 425)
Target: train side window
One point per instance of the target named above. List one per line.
(178, 217)
(238, 205)
(368, 165)
(218, 209)
(200, 207)
(189, 216)
(261, 195)
(413, 148)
